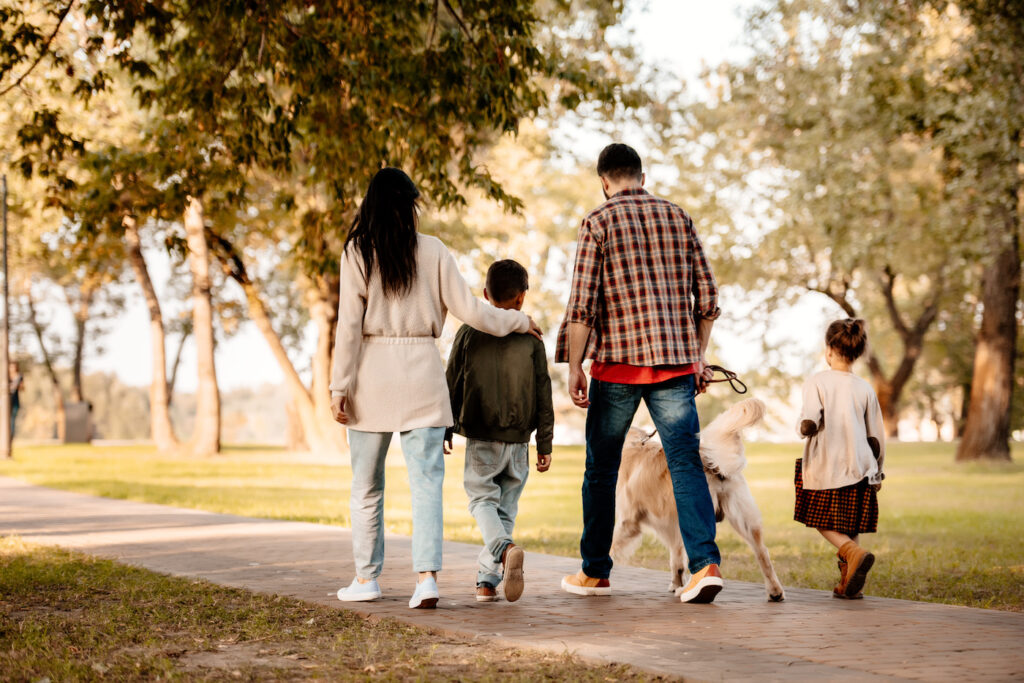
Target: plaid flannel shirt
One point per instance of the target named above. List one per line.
(641, 282)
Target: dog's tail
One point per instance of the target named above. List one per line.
(740, 416)
(721, 449)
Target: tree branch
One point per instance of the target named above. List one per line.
(887, 284)
(42, 52)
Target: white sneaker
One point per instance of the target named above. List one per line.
(359, 592)
(426, 595)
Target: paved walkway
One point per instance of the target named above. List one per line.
(810, 636)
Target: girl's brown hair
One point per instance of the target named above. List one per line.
(847, 338)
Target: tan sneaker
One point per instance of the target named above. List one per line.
(512, 571)
(703, 586)
(485, 593)
(581, 584)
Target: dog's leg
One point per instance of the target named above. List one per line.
(667, 531)
(626, 538)
(742, 512)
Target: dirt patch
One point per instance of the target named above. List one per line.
(243, 657)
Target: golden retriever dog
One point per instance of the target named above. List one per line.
(644, 498)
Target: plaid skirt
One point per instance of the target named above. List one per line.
(850, 510)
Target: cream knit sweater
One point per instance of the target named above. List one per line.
(386, 362)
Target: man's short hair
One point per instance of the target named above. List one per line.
(618, 162)
(506, 280)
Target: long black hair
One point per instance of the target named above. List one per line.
(384, 231)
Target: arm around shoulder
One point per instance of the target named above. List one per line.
(459, 299)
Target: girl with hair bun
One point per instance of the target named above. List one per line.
(840, 473)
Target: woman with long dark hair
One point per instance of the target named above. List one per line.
(396, 289)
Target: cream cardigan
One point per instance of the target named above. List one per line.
(386, 362)
(846, 411)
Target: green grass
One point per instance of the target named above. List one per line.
(947, 533)
(69, 617)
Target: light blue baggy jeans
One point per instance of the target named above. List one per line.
(494, 478)
(424, 459)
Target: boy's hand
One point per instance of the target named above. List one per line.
(447, 445)
(543, 462)
(877, 487)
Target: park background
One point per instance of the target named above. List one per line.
(181, 178)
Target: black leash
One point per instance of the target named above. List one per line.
(729, 376)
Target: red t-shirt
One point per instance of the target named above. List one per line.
(623, 373)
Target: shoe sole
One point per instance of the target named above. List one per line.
(487, 598)
(585, 590)
(363, 597)
(427, 603)
(513, 581)
(856, 581)
(704, 592)
(840, 596)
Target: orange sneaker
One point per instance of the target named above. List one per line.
(703, 586)
(581, 584)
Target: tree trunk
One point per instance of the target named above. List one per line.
(986, 432)
(81, 315)
(323, 309)
(160, 428)
(58, 393)
(205, 438)
(172, 382)
(317, 432)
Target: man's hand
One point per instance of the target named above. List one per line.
(338, 409)
(535, 330)
(578, 386)
(447, 444)
(704, 375)
(543, 462)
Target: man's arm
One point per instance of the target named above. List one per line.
(578, 336)
(704, 373)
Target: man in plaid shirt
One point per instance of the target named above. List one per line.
(642, 305)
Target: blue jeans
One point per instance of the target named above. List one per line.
(672, 407)
(424, 459)
(494, 478)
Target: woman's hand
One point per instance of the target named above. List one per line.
(535, 330)
(338, 409)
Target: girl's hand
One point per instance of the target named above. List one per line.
(543, 462)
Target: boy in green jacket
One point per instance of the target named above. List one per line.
(500, 392)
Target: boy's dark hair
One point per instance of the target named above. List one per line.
(847, 338)
(506, 280)
(618, 161)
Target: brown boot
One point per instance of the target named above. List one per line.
(840, 590)
(858, 562)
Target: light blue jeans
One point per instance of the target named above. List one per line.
(494, 478)
(424, 459)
